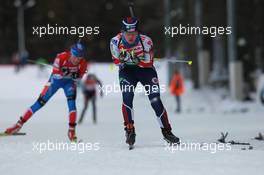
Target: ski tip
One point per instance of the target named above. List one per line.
(14, 134)
(19, 134)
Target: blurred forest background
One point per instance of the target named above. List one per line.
(107, 14)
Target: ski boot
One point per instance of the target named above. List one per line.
(71, 132)
(14, 129)
(130, 135)
(169, 136)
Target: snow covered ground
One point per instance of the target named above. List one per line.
(204, 116)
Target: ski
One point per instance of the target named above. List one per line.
(2, 134)
(171, 143)
(77, 141)
(247, 148)
(131, 147)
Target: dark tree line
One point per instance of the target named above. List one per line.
(107, 14)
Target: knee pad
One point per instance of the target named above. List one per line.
(157, 105)
(154, 99)
(71, 97)
(71, 105)
(41, 101)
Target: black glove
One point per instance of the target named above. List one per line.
(123, 57)
(75, 75)
(135, 59)
(65, 71)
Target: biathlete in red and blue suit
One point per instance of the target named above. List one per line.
(68, 67)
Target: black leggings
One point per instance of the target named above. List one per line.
(89, 95)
